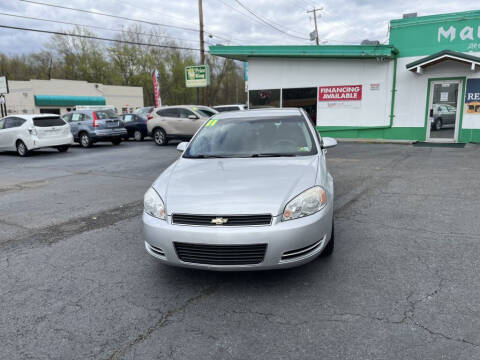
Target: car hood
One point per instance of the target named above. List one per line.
(235, 186)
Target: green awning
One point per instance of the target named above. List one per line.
(62, 100)
(305, 51)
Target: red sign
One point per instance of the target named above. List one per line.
(340, 93)
(156, 88)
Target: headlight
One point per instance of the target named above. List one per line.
(307, 203)
(153, 204)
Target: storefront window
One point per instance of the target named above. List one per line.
(264, 98)
(305, 98)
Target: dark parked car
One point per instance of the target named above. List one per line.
(91, 126)
(136, 125)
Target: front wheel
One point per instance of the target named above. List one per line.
(160, 137)
(331, 244)
(22, 149)
(117, 141)
(438, 124)
(63, 148)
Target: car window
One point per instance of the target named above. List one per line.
(67, 117)
(205, 112)
(77, 117)
(227, 108)
(2, 122)
(13, 122)
(253, 137)
(128, 118)
(169, 113)
(185, 113)
(47, 121)
(105, 114)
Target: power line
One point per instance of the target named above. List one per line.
(247, 15)
(136, 6)
(98, 27)
(98, 38)
(116, 17)
(265, 22)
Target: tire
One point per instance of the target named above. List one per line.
(160, 137)
(438, 124)
(331, 244)
(117, 141)
(22, 149)
(138, 136)
(63, 148)
(85, 140)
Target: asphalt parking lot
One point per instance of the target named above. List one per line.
(76, 282)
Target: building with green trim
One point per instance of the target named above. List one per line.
(424, 85)
(59, 96)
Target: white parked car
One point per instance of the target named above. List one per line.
(24, 133)
(233, 107)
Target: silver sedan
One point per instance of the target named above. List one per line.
(250, 191)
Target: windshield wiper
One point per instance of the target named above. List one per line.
(273, 155)
(206, 156)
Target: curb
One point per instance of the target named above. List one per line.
(376, 141)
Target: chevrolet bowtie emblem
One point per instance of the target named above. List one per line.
(219, 221)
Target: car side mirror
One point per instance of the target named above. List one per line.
(193, 117)
(182, 146)
(328, 142)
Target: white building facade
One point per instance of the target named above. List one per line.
(424, 85)
(60, 96)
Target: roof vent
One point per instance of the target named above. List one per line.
(410, 15)
(370, 42)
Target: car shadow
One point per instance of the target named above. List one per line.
(250, 281)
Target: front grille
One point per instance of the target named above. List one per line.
(231, 220)
(221, 254)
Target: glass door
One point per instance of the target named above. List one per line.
(444, 112)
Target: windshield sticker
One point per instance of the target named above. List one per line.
(303, 148)
(211, 122)
(195, 108)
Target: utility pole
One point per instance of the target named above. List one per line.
(202, 43)
(314, 11)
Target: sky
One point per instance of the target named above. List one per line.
(226, 21)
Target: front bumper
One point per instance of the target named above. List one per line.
(280, 237)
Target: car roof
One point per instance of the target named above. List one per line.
(260, 113)
(220, 106)
(31, 116)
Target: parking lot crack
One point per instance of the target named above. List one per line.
(164, 321)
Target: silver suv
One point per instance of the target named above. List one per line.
(177, 122)
(91, 126)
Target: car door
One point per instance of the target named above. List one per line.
(2, 137)
(169, 120)
(10, 132)
(130, 123)
(74, 122)
(189, 122)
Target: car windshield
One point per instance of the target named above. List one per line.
(253, 137)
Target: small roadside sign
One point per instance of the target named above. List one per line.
(197, 76)
(3, 85)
